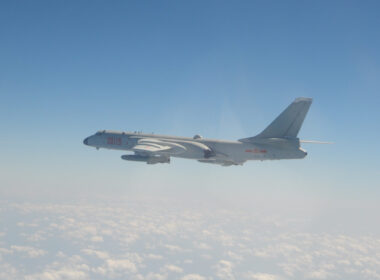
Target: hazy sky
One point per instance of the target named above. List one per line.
(222, 69)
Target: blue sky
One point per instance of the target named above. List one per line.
(223, 69)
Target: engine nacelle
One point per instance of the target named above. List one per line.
(147, 159)
(208, 153)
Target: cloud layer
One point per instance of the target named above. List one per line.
(163, 239)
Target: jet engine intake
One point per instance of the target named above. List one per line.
(208, 153)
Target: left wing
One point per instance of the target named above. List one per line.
(150, 148)
(154, 151)
(155, 146)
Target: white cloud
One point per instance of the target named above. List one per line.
(60, 254)
(22, 224)
(224, 270)
(147, 240)
(193, 277)
(29, 251)
(262, 276)
(99, 254)
(71, 268)
(9, 272)
(5, 251)
(97, 238)
(115, 268)
(59, 274)
(156, 276)
(318, 274)
(172, 268)
(121, 265)
(37, 236)
(173, 248)
(202, 245)
(371, 273)
(235, 256)
(155, 257)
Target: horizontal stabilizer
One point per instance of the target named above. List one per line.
(315, 142)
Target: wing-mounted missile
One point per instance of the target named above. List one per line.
(148, 159)
(220, 162)
(158, 159)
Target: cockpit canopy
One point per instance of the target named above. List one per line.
(197, 136)
(100, 132)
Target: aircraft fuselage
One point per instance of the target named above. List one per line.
(277, 141)
(234, 151)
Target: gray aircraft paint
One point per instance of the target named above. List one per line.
(277, 141)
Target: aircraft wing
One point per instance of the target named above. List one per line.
(148, 148)
(155, 146)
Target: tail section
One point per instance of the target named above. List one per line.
(288, 123)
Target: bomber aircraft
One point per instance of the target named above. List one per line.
(278, 141)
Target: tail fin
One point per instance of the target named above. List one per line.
(288, 123)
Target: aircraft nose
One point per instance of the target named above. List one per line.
(85, 141)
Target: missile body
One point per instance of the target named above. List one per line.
(147, 159)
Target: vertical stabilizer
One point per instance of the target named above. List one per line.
(288, 123)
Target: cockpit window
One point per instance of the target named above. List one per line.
(100, 132)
